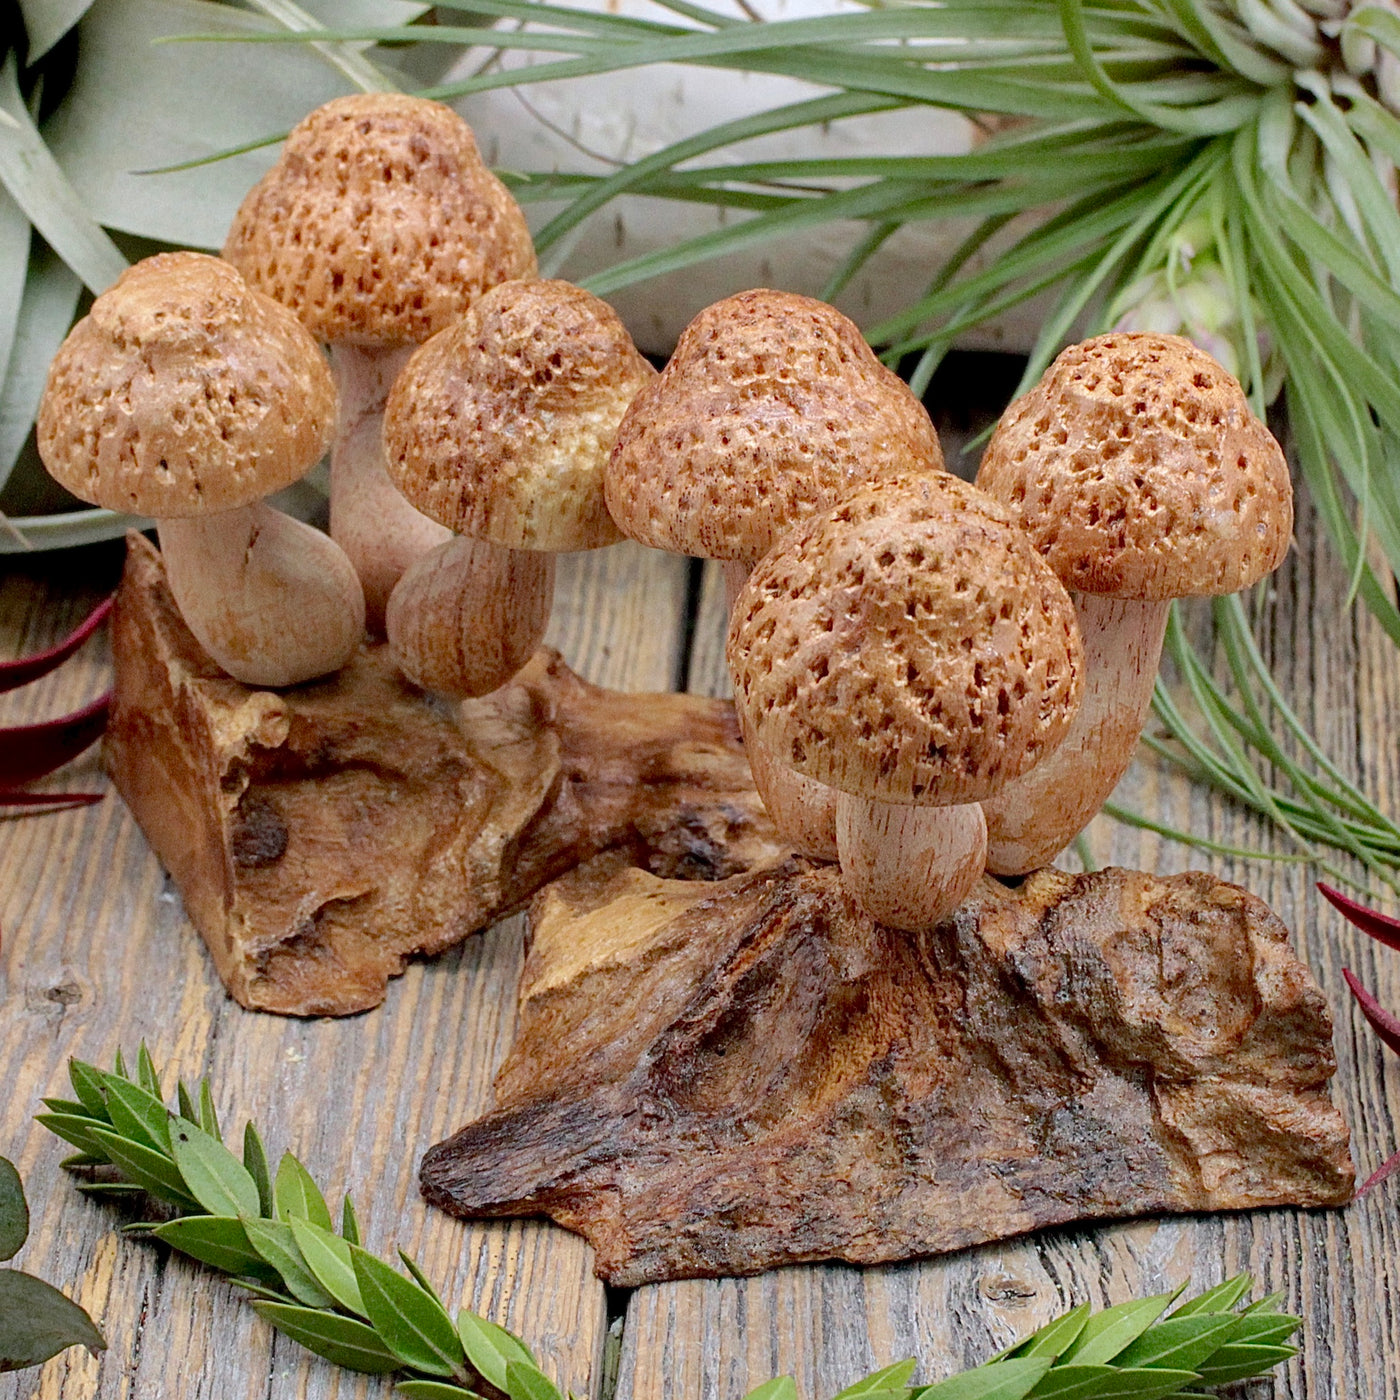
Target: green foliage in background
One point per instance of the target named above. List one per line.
(275, 1235)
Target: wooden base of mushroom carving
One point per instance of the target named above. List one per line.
(722, 1079)
(322, 835)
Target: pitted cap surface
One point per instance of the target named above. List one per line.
(909, 646)
(500, 426)
(772, 408)
(184, 391)
(1140, 472)
(380, 224)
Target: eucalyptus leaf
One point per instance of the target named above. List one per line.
(339, 1339)
(411, 1322)
(14, 261)
(296, 1194)
(490, 1348)
(213, 1175)
(14, 1211)
(47, 21)
(37, 1322)
(275, 1242)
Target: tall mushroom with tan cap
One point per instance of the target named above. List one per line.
(771, 409)
(1140, 474)
(185, 395)
(498, 428)
(378, 226)
(911, 650)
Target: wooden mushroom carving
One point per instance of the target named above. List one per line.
(498, 428)
(772, 408)
(187, 396)
(1139, 472)
(379, 226)
(911, 650)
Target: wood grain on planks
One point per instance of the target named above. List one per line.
(97, 955)
(829, 1325)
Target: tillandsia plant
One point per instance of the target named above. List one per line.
(36, 1320)
(275, 1236)
(1223, 168)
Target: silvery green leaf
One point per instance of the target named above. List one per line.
(138, 105)
(14, 1212)
(14, 263)
(214, 1176)
(38, 185)
(411, 1322)
(490, 1348)
(67, 530)
(37, 1322)
(47, 21)
(296, 1194)
(341, 1340)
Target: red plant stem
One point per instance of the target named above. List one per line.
(1382, 1022)
(24, 669)
(57, 801)
(1386, 1169)
(28, 751)
(1380, 927)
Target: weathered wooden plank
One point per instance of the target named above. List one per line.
(829, 1325)
(97, 955)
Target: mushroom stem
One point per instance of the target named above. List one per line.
(909, 867)
(469, 614)
(272, 600)
(736, 575)
(803, 810)
(370, 518)
(1034, 817)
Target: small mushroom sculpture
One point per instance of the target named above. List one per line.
(187, 396)
(1140, 474)
(379, 226)
(911, 650)
(498, 428)
(772, 408)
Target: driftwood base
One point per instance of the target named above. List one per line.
(723, 1079)
(322, 835)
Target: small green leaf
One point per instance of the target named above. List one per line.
(998, 1380)
(86, 1080)
(188, 1108)
(37, 1322)
(70, 1107)
(297, 1194)
(490, 1348)
(1237, 1362)
(433, 1390)
(119, 1064)
(273, 1239)
(146, 1074)
(1055, 1338)
(1111, 1383)
(1116, 1328)
(412, 1323)
(140, 1164)
(216, 1240)
(208, 1118)
(78, 1131)
(1074, 1383)
(423, 1281)
(341, 1340)
(1180, 1342)
(328, 1258)
(1219, 1299)
(349, 1225)
(528, 1382)
(1266, 1329)
(255, 1159)
(214, 1176)
(894, 1377)
(110, 1189)
(14, 1211)
(135, 1114)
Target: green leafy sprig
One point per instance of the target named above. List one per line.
(36, 1320)
(275, 1236)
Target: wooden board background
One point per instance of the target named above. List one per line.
(95, 953)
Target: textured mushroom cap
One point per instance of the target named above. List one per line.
(380, 224)
(772, 408)
(183, 391)
(500, 426)
(1140, 472)
(909, 645)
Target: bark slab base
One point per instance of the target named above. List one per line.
(322, 835)
(719, 1079)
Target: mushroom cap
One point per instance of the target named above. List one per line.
(184, 392)
(772, 408)
(380, 224)
(909, 646)
(500, 426)
(1140, 472)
